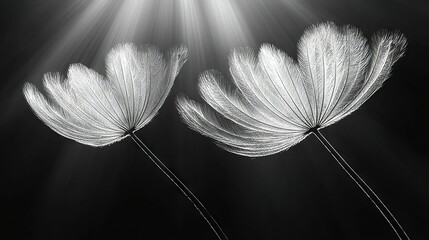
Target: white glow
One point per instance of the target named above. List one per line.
(226, 23)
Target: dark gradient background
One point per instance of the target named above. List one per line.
(54, 188)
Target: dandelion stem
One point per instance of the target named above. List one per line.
(185, 190)
(364, 187)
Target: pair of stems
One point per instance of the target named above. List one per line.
(397, 228)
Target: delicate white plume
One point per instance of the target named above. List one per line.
(278, 100)
(96, 111)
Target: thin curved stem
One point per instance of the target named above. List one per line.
(182, 187)
(364, 187)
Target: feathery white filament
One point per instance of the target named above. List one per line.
(96, 111)
(279, 100)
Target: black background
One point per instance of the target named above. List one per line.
(55, 188)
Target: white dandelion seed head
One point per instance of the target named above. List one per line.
(96, 110)
(278, 101)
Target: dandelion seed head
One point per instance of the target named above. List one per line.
(278, 101)
(96, 110)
